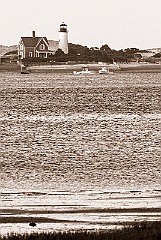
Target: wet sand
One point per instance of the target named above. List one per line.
(26, 216)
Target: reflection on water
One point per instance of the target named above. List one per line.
(77, 134)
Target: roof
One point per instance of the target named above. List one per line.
(44, 51)
(53, 45)
(63, 24)
(32, 41)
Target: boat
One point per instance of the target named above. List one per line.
(85, 71)
(105, 71)
(24, 70)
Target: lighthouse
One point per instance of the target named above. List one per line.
(63, 38)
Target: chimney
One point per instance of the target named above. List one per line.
(33, 34)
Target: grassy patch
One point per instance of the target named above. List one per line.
(139, 231)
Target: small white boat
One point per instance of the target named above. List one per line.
(25, 72)
(24, 69)
(105, 71)
(84, 71)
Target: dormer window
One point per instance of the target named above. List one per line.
(42, 47)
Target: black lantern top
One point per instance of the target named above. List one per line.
(63, 27)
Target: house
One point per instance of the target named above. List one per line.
(30, 47)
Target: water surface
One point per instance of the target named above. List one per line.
(80, 142)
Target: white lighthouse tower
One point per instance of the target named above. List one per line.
(63, 38)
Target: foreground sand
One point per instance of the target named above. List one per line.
(18, 221)
(144, 230)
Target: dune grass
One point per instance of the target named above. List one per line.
(138, 231)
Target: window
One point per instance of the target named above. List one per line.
(21, 55)
(30, 54)
(21, 46)
(42, 47)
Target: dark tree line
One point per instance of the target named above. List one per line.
(79, 53)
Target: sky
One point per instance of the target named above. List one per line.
(119, 23)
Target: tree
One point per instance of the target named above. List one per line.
(105, 47)
(131, 50)
(59, 53)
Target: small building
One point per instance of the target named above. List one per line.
(31, 47)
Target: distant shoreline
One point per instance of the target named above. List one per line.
(69, 68)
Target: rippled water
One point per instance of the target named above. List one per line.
(90, 134)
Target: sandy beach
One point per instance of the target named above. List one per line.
(63, 211)
(18, 216)
(122, 67)
(69, 68)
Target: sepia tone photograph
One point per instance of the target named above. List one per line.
(80, 117)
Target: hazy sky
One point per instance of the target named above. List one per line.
(118, 23)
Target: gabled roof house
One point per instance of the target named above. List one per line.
(30, 47)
